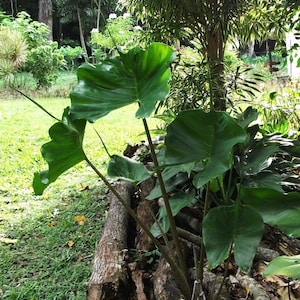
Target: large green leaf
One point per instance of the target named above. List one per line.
(208, 138)
(62, 152)
(284, 265)
(276, 208)
(127, 169)
(224, 226)
(137, 76)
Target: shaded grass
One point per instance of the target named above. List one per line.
(45, 253)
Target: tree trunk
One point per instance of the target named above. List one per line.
(81, 35)
(109, 274)
(215, 57)
(45, 15)
(98, 15)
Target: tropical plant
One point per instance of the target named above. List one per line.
(71, 56)
(280, 111)
(284, 265)
(43, 57)
(13, 53)
(210, 159)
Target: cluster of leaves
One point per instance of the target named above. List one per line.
(71, 56)
(118, 32)
(43, 57)
(210, 159)
(280, 111)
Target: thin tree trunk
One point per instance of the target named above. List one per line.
(98, 15)
(81, 35)
(215, 57)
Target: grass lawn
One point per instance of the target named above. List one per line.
(47, 242)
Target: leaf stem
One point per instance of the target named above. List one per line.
(202, 250)
(173, 229)
(37, 104)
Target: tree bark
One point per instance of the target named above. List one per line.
(45, 15)
(109, 274)
(165, 287)
(215, 57)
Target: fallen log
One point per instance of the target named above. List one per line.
(164, 285)
(109, 274)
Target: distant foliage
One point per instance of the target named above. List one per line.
(71, 56)
(43, 57)
(119, 32)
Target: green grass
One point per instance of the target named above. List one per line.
(45, 253)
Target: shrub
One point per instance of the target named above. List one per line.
(43, 57)
(71, 56)
(44, 63)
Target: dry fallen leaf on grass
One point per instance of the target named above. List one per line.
(52, 223)
(70, 243)
(80, 220)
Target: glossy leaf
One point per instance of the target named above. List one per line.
(240, 227)
(276, 208)
(62, 152)
(208, 138)
(128, 169)
(284, 265)
(138, 76)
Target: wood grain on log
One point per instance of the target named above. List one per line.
(165, 287)
(109, 275)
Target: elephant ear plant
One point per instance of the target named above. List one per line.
(207, 150)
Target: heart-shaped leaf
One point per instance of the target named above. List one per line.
(62, 152)
(208, 138)
(276, 208)
(238, 227)
(139, 76)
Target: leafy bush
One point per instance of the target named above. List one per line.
(119, 32)
(44, 63)
(71, 56)
(43, 57)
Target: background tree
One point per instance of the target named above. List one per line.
(45, 15)
(87, 14)
(211, 22)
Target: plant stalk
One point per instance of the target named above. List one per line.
(173, 229)
(202, 250)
